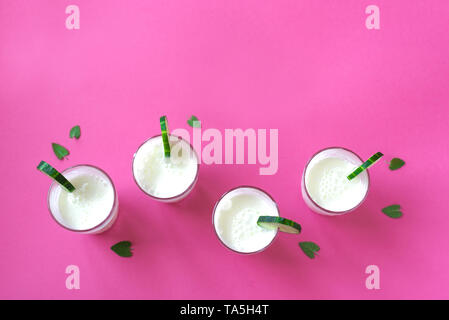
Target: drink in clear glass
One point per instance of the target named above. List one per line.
(235, 219)
(91, 208)
(325, 187)
(166, 179)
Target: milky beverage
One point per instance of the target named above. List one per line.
(327, 184)
(162, 177)
(92, 205)
(235, 219)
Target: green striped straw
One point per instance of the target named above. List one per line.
(55, 175)
(368, 163)
(164, 129)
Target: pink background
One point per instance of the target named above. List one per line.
(308, 68)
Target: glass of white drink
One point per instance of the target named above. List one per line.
(235, 219)
(166, 179)
(91, 208)
(325, 186)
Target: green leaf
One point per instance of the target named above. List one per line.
(59, 151)
(393, 211)
(194, 122)
(123, 249)
(75, 132)
(396, 163)
(309, 248)
(394, 215)
(393, 207)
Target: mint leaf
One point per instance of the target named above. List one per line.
(396, 163)
(59, 151)
(194, 122)
(75, 132)
(393, 211)
(309, 248)
(123, 249)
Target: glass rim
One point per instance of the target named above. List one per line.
(215, 229)
(103, 221)
(331, 212)
(180, 194)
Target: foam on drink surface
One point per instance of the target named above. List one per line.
(87, 206)
(329, 187)
(236, 218)
(164, 177)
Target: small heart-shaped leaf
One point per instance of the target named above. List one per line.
(396, 163)
(194, 122)
(59, 151)
(123, 249)
(393, 211)
(75, 132)
(309, 248)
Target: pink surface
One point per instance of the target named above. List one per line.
(308, 68)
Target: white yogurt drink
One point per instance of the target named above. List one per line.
(325, 186)
(166, 179)
(235, 219)
(91, 208)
